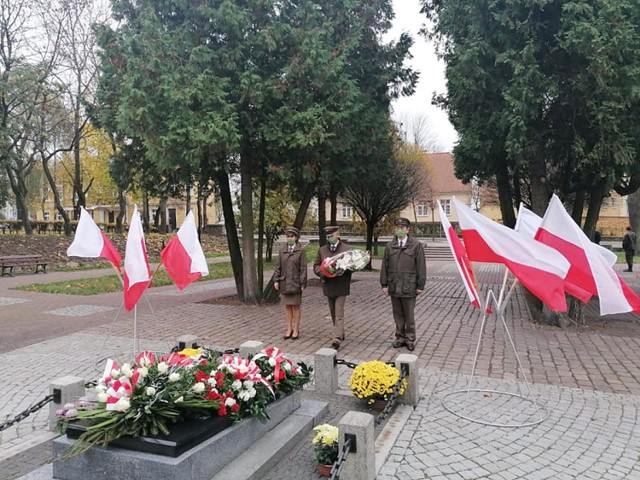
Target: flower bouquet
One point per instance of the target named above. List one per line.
(350, 260)
(375, 380)
(326, 447)
(146, 396)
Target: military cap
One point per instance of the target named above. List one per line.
(292, 231)
(331, 229)
(402, 222)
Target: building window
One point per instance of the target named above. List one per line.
(613, 202)
(346, 211)
(46, 216)
(446, 206)
(422, 209)
(59, 217)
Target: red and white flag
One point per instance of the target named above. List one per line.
(183, 256)
(89, 241)
(137, 275)
(540, 268)
(589, 271)
(529, 223)
(461, 259)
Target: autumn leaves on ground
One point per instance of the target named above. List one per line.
(54, 247)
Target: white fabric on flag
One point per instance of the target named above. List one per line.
(539, 268)
(91, 242)
(529, 222)
(137, 275)
(589, 271)
(461, 259)
(183, 256)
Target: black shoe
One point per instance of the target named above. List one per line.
(410, 346)
(294, 337)
(335, 345)
(398, 343)
(627, 270)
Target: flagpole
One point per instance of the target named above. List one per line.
(135, 330)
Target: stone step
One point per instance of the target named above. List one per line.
(265, 453)
(437, 250)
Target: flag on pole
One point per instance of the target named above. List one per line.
(91, 242)
(529, 223)
(539, 268)
(589, 270)
(137, 275)
(183, 256)
(461, 259)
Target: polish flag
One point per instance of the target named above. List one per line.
(461, 259)
(137, 275)
(528, 223)
(540, 268)
(89, 241)
(589, 270)
(183, 256)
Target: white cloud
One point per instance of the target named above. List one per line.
(432, 79)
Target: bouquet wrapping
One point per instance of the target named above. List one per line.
(351, 260)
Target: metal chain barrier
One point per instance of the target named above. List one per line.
(393, 398)
(340, 361)
(339, 463)
(54, 397)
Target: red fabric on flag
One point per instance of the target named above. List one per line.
(137, 275)
(538, 267)
(109, 252)
(590, 270)
(462, 260)
(89, 241)
(183, 256)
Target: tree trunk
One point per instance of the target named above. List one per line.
(504, 195)
(633, 202)
(333, 198)
(322, 215)
(304, 205)
(145, 211)
(261, 213)
(81, 198)
(369, 244)
(246, 218)
(232, 232)
(19, 189)
(56, 197)
(122, 202)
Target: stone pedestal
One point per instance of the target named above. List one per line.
(199, 463)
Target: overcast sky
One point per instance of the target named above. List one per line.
(409, 19)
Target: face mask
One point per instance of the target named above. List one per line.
(332, 240)
(401, 233)
(291, 241)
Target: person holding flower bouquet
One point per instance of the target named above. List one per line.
(291, 280)
(337, 287)
(403, 276)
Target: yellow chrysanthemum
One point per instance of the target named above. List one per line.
(375, 380)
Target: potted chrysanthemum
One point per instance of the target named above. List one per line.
(326, 447)
(374, 381)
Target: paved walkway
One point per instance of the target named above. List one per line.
(586, 378)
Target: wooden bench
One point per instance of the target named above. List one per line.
(9, 262)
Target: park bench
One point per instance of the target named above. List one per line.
(9, 262)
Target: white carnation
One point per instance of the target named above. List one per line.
(198, 387)
(150, 391)
(174, 377)
(163, 367)
(102, 397)
(127, 370)
(230, 401)
(123, 404)
(236, 385)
